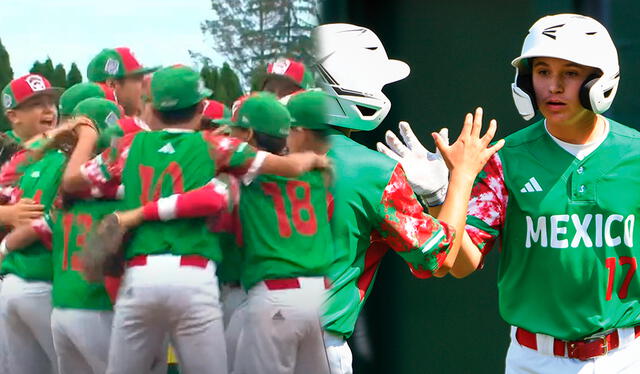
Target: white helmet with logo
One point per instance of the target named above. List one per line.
(575, 38)
(353, 66)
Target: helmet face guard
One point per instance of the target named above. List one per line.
(353, 66)
(575, 38)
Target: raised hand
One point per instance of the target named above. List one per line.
(426, 171)
(470, 152)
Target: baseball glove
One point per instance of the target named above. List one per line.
(103, 252)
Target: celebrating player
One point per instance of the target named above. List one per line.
(561, 198)
(155, 164)
(119, 70)
(372, 198)
(82, 314)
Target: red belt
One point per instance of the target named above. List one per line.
(287, 283)
(580, 349)
(188, 260)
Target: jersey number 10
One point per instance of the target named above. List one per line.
(298, 205)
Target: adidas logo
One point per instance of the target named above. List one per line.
(531, 186)
(35, 174)
(167, 148)
(278, 316)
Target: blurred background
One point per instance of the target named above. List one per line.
(460, 53)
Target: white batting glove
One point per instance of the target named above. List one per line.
(426, 171)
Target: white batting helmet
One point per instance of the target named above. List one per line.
(353, 66)
(575, 38)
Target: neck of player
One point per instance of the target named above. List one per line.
(581, 129)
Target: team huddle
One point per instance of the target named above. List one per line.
(143, 218)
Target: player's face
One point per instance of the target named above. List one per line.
(129, 93)
(35, 116)
(296, 139)
(557, 83)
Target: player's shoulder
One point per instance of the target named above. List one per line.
(351, 154)
(525, 136)
(623, 132)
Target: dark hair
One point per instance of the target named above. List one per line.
(279, 85)
(270, 143)
(321, 135)
(172, 117)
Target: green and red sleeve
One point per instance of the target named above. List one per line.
(233, 156)
(421, 240)
(488, 205)
(104, 172)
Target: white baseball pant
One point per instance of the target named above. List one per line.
(232, 333)
(81, 339)
(281, 331)
(623, 360)
(25, 318)
(3, 352)
(339, 354)
(231, 296)
(164, 297)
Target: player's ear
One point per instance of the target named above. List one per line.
(111, 83)
(11, 116)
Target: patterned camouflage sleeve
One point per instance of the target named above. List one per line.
(231, 155)
(421, 240)
(42, 228)
(104, 172)
(487, 207)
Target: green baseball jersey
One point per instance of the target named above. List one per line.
(374, 209)
(39, 181)
(230, 268)
(285, 228)
(151, 165)
(567, 232)
(69, 233)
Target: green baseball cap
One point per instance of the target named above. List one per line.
(76, 93)
(263, 112)
(105, 114)
(177, 87)
(308, 109)
(115, 63)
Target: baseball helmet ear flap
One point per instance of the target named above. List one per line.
(585, 97)
(525, 82)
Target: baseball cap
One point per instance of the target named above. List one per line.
(21, 89)
(292, 70)
(308, 109)
(115, 63)
(78, 92)
(105, 114)
(214, 110)
(177, 87)
(263, 112)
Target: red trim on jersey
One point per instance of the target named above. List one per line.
(112, 285)
(11, 170)
(374, 254)
(43, 231)
(129, 125)
(130, 63)
(109, 93)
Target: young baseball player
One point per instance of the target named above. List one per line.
(25, 299)
(374, 206)
(280, 327)
(82, 314)
(561, 198)
(119, 70)
(183, 301)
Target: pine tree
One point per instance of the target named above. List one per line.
(59, 77)
(209, 75)
(6, 75)
(74, 76)
(258, 76)
(229, 83)
(254, 32)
